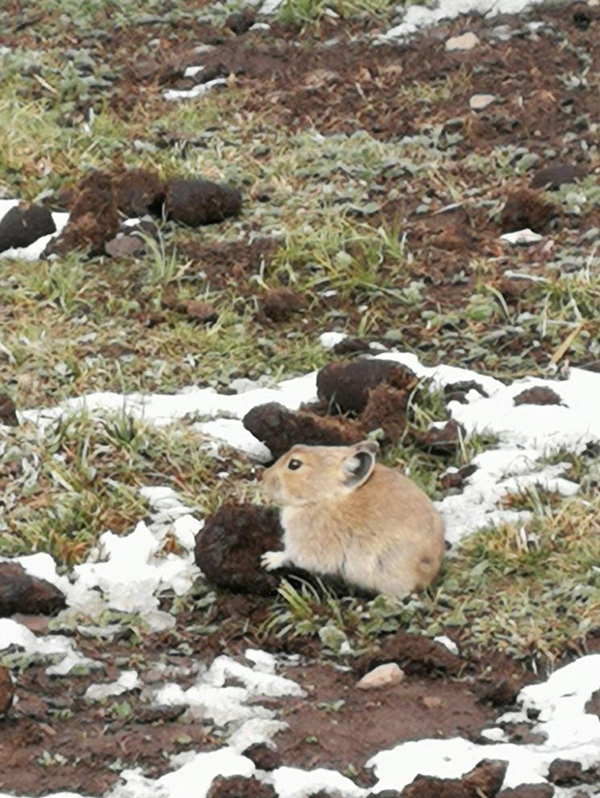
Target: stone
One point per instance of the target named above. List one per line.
(199, 202)
(383, 676)
(480, 101)
(522, 238)
(540, 395)
(467, 41)
(20, 592)
(554, 176)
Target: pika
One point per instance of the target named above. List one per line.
(344, 514)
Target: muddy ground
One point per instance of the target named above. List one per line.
(330, 78)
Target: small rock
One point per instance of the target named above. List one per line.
(522, 238)
(524, 209)
(200, 202)
(24, 224)
(7, 691)
(20, 592)
(382, 676)
(8, 411)
(457, 391)
(280, 303)
(263, 757)
(351, 346)
(480, 101)
(465, 42)
(540, 395)
(432, 701)
(443, 440)
(280, 429)
(593, 705)
(501, 692)
(240, 787)
(565, 773)
(229, 547)
(124, 246)
(346, 384)
(485, 779)
(456, 478)
(553, 177)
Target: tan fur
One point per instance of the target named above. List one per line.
(344, 514)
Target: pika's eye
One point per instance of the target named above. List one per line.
(294, 465)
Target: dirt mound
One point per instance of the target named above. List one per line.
(280, 429)
(230, 545)
(94, 218)
(526, 208)
(541, 395)
(240, 787)
(24, 224)
(553, 177)
(20, 592)
(485, 779)
(199, 202)
(139, 192)
(345, 385)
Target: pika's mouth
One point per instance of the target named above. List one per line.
(271, 488)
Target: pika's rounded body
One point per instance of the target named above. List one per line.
(345, 515)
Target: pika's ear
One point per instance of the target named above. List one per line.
(359, 464)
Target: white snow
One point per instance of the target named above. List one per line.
(527, 433)
(570, 733)
(224, 411)
(418, 17)
(127, 681)
(58, 648)
(33, 251)
(197, 91)
(329, 339)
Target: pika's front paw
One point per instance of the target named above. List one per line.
(273, 560)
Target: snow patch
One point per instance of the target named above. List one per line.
(127, 681)
(198, 91)
(54, 647)
(418, 17)
(570, 733)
